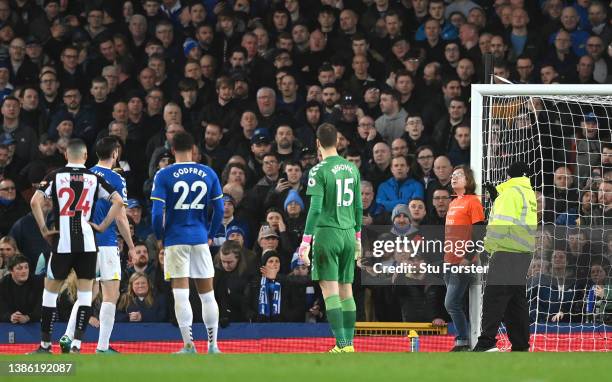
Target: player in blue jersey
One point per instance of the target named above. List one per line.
(108, 267)
(181, 195)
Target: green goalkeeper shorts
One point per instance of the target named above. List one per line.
(333, 255)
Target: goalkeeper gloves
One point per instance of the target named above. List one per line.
(304, 249)
(357, 245)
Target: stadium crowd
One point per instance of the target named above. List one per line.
(252, 80)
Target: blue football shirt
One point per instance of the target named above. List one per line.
(186, 189)
(108, 238)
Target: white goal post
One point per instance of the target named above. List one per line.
(521, 101)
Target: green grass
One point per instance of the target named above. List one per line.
(379, 367)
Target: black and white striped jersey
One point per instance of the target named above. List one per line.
(74, 191)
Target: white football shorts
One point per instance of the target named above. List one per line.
(108, 266)
(194, 261)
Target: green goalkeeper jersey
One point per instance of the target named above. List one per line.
(338, 182)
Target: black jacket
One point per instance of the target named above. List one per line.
(26, 298)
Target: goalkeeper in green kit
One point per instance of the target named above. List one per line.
(333, 229)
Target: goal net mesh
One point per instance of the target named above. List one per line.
(565, 140)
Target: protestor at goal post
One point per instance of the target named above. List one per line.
(510, 240)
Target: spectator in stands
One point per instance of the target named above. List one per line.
(140, 262)
(595, 50)
(400, 218)
(295, 213)
(498, 47)
(142, 225)
(561, 56)
(390, 125)
(291, 179)
(28, 239)
(564, 198)
(588, 148)
(230, 219)
(444, 130)
(585, 70)
(442, 169)
(400, 188)
(418, 212)
(424, 159)
(285, 144)
(278, 297)
(557, 294)
(215, 153)
(373, 212)
(399, 148)
(549, 74)
(8, 249)
(140, 303)
(24, 137)
(522, 40)
(451, 89)
(12, 205)
(20, 293)
(602, 214)
(420, 299)
(441, 202)
(524, 69)
(380, 169)
(230, 283)
(459, 152)
(82, 114)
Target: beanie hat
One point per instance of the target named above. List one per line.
(188, 45)
(234, 229)
(267, 255)
(293, 196)
(400, 209)
(517, 170)
(296, 261)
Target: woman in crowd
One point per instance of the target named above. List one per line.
(8, 249)
(140, 303)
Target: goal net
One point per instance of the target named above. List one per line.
(563, 133)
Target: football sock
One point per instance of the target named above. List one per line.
(107, 321)
(334, 317)
(83, 315)
(72, 321)
(48, 317)
(184, 314)
(349, 316)
(210, 315)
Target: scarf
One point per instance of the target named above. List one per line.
(269, 298)
(6, 202)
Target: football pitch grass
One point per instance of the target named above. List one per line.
(378, 367)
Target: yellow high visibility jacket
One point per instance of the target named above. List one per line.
(513, 218)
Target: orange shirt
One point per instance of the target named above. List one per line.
(463, 211)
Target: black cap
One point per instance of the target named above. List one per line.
(518, 169)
